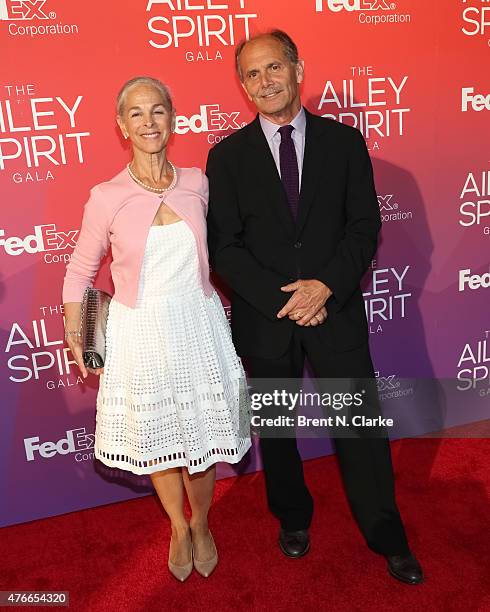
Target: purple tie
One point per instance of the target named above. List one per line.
(289, 168)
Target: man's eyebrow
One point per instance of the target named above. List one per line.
(268, 66)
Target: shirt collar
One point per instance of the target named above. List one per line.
(270, 129)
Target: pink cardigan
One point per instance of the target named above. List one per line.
(119, 214)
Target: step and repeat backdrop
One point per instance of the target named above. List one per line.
(412, 76)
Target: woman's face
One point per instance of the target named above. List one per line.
(146, 118)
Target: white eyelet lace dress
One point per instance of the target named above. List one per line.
(173, 392)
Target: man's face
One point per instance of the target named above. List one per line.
(270, 79)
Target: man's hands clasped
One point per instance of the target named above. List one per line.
(307, 304)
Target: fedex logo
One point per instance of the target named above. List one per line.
(76, 440)
(22, 10)
(354, 5)
(385, 202)
(473, 281)
(209, 119)
(476, 102)
(44, 238)
(385, 383)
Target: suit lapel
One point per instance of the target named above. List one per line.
(312, 169)
(266, 173)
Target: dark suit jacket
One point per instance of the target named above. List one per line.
(256, 248)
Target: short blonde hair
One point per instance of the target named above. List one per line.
(143, 80)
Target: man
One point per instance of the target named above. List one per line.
(292, 227)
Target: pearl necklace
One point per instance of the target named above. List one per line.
(155, 189)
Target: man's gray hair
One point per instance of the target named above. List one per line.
(143, 80)
(289, 47)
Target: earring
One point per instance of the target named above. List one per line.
(125, 136)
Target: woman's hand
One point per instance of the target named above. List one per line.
(75, 344)
(97, 371)
(72, 312)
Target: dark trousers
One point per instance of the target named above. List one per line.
(365, 461)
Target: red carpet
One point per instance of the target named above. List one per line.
(113, 558)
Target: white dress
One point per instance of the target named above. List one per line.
(173, 392)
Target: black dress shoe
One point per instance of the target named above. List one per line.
(294, 543)
(405, 568)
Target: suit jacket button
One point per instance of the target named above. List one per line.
(297, 245)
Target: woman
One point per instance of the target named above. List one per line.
(172, 397)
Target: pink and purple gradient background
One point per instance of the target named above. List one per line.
(424, 169)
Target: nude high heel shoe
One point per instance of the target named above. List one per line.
(181, 572)
(205, 568)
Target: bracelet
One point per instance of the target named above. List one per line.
(72, 333)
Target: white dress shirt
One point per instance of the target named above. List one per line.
(274, 138)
